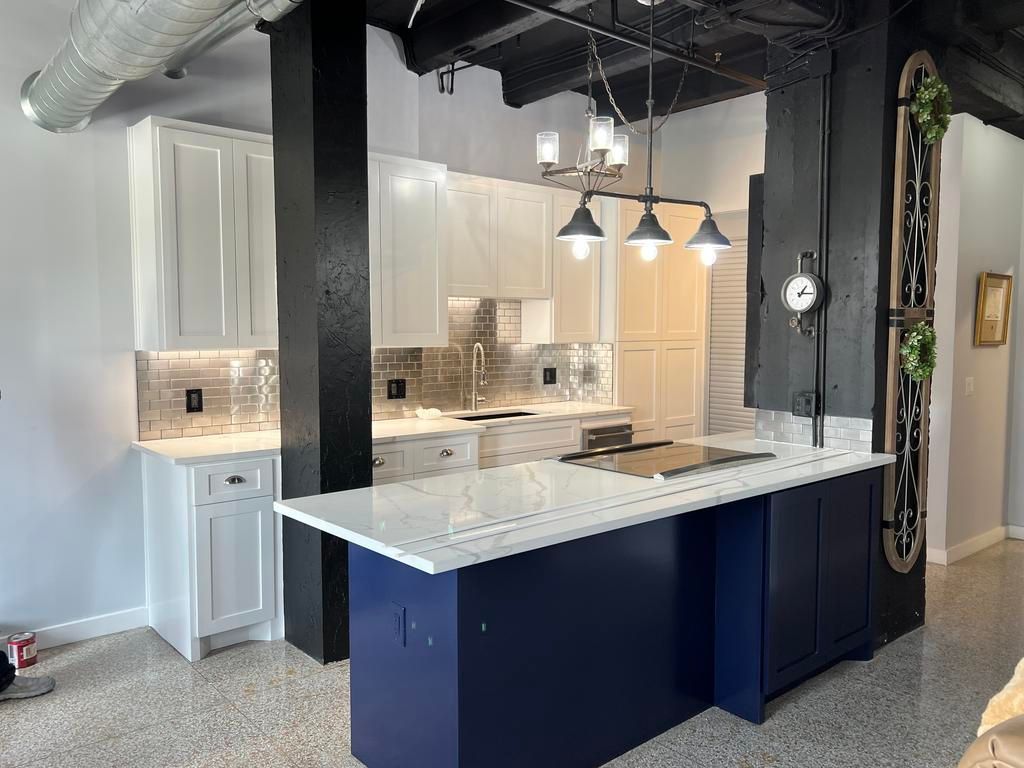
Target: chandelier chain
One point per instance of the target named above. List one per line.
(595, 57)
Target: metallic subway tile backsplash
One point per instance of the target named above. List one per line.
(241, 391)
(843, 433)
(439, 377)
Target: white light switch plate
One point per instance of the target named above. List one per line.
(969, 386)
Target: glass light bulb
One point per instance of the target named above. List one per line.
(708, 256)
(581, 249)
(547, 151)
(648, 252)
(620, 150)
(547, 147)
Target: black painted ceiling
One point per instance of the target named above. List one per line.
(980, 45)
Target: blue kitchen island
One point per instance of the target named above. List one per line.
(553, 615)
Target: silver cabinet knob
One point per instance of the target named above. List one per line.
(446, 452)
(234, 480)
(378, 461)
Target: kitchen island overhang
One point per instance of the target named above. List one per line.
(550, 615)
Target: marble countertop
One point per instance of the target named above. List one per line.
(442, 523)
(251, 445)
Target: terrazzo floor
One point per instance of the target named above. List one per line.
(130, 700)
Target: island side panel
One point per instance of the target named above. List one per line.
(573, 654)
(404, 663)
(739, 615)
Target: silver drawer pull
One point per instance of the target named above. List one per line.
(446, 452)
(378, 461)
(234, 480)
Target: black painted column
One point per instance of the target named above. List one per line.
(862, 76)
(318, 65)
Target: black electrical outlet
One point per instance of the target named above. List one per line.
(396, 389)
(550, 375)
(193, 401)
(805, 404)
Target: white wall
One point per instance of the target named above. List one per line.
(981, 204)
(70, 513)
(710, 153)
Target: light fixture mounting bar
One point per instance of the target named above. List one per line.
(680, 55)
(652, 199)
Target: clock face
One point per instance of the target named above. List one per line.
(802, 292)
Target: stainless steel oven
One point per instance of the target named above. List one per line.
(602, 437)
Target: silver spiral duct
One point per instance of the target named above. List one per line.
(114, 41)
(243, 16)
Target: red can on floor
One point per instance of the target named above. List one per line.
(21, 649)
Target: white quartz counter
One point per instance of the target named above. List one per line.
(442, 523)
(250, 445)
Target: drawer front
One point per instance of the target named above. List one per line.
(395, 479)
(392, 460)
(213, 483)
(506, 459)
(558, 436)
(451, 453)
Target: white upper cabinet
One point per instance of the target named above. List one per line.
(574, 312)
(524, 241)
(472, 236)
(203, 237)
(255, 244)
(408, 253)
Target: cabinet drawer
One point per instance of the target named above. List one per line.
(451, 453)
(213, 483)
(392, 460)
(538, 436)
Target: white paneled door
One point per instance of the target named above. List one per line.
(413, 269)
(524, 242)
(681, 389)
(576, 282)
(638, 377)
(197, 215)
(472, 236)
(256, 241)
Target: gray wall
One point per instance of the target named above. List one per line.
(71, 512)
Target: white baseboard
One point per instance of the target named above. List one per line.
(94, 626)
(1015, 531)
(937, 556)
(969, 547)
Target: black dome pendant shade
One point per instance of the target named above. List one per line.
(582, 227)
(708, 236)
(649, 232)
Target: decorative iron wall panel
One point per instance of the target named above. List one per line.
(911, 301)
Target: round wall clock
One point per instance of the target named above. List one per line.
(802, 293)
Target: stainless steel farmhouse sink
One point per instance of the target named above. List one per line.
(490, 416)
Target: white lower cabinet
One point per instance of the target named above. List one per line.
(416, 458)
(212, 553)
(664, 383)
(234, 564)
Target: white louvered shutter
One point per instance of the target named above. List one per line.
(728, 338)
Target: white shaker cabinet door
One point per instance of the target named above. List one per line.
(234, 550)
(638, 384)
(524, 242)
(472, 237)
(413, 269)
(577, 282)
(197, 215)
(256, 244)
(682, 389)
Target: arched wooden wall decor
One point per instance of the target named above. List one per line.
(911, 301)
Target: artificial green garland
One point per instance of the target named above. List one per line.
(918, 352)
(931, 107)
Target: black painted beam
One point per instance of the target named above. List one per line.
(998, 15)
(441, 40)
(318, 77)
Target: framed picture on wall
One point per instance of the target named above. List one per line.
(992, 323)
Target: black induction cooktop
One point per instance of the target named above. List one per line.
(663, 459)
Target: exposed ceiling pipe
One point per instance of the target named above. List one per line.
(243, 16)
(112, 42)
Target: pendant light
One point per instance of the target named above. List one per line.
(649, 234)
(600, 164)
